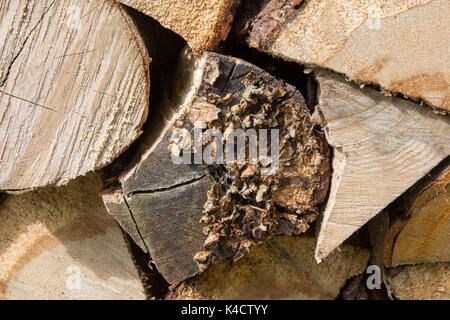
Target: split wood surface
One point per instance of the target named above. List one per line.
(400, 45)
(75, 95)
(382, 146)
(74, 89)
(60, 243)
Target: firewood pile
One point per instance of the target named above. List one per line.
(224, 149)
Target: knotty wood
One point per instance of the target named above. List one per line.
(47, 234)
(74, 89)
(382, 146)
(400, 45)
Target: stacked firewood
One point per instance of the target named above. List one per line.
(224, 149)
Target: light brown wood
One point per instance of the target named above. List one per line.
(423, 234)
(203, 24)
(420, 282)
(51, 238)
(74, 89)
(401, 45)
(281, 268)
(382, 146)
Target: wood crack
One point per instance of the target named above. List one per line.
(23, 46)
(175, 186)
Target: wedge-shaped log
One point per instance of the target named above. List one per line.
(237, 204)
(382, 146)
(74, 89)
(401, 45)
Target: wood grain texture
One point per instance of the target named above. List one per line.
(420, 282)
(159, 203)
(51, 236)
(203, 24)
(169, 224)
(74, 89)
(400, 45)
(117, 206)
(424, 234)
(156, 188)
(281, 268)
(382, 146)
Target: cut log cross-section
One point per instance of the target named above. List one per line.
(74, 89)
(410, 239)
(401, 45)
(60, 243)
(422, 236)
(237, 204)
(382, 146)
(420, 282)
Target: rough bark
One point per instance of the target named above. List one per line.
(50, 237)
(400, 45)
(237, 204)
(382, 146)
(74, 89)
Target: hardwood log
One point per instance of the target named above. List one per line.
(238, 205)
(281, 268)
(382, 146)
(74, 89)
(203, 24)
(60, 243)
(409, 239)
(401, 45)
(423, 234)
(420, 282)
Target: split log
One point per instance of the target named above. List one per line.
(410, 239)
(74, 89)
(382, 146)
(423, 234)
(400, 45)
(238, 204)
(420, 282)
(281, 268)
(203, 24)
(60, 243)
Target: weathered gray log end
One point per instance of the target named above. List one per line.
(169, 223)
(117, 206)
